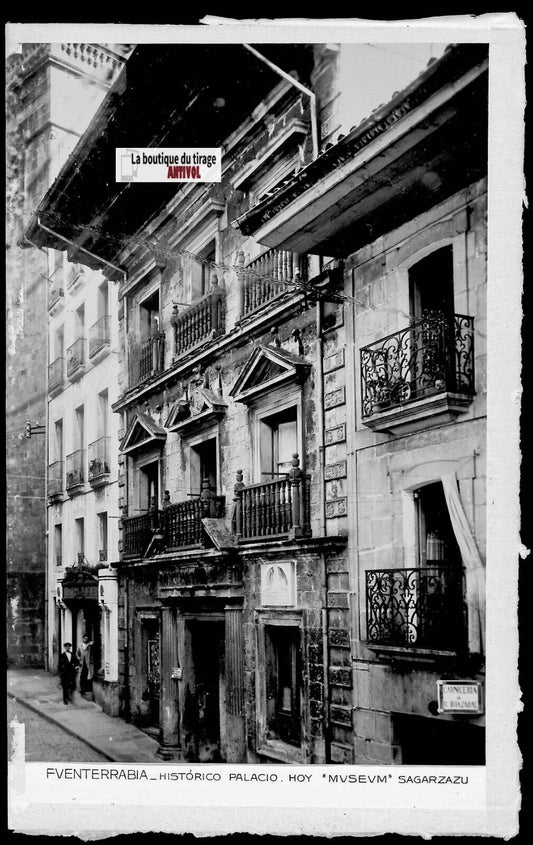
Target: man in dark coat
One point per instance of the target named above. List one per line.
(68, 665)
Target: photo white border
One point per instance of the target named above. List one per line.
(505, 34)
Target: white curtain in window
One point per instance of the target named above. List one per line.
(474, 568)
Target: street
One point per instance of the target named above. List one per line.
(46, 742)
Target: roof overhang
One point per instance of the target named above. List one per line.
(427, 143)
(143, 108)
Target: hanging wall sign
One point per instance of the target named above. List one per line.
(460, 697)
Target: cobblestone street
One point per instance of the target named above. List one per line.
(46, 742)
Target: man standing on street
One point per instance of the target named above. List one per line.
(68, 665)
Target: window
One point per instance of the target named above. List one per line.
(203, 465)
(58, 544)
(103, 300)
(148, 486)
(431, 285)
(283, 683)
(80, 540)
(80, 322)
(58, 344)
(202, 272)
(278, 443)
(102, 536)
(57, 442)
(149, 316)
(79, 428)
(103, 414)
(57, 267)
(435, 539)
(277, 171)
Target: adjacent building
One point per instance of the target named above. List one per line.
(53, 91)
(82, 472)
(301, 398)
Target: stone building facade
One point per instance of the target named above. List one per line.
(405, 405)
(292, 580)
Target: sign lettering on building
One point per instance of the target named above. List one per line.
(333, 362)
(334, 471)
(335, 435)
(459, 697)
(337, 507)
(334, 398)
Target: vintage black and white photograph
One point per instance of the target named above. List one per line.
(247, 417)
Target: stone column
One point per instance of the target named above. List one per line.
(234, 666)
(168, 659)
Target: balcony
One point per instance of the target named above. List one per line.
(76, 359)
(55, 484)
(99, 336)
(55, 299)
(266, 278)
(75, 472)
(74, 276)
(99, 461)
(415, 375)
(182, 522)
(273, 509)
(56, 376)
(200, 322)
(420, 609)
(146, 359)
(178, 526)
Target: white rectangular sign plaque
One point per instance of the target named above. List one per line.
(459, 697)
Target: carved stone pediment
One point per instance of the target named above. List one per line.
(142, 432)
(199, 406)
(267, 368)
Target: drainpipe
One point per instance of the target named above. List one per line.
(76, 247)
(302, 88)
(322, 528)
(47, 604)
(320, 434)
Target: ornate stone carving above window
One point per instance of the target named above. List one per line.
(198, 406)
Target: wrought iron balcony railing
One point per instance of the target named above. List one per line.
(76, 356)
(99, 458)
(266, 277)
(147, 359)
(75, 468)
(434, 355)
(55, 479)
(56, 375)
(273, 508)
(415, 608)
(176, 526)
(99, 335)
(199, 322)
